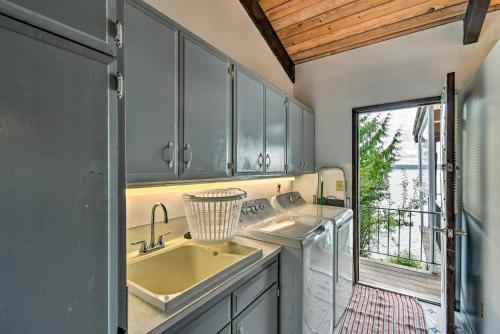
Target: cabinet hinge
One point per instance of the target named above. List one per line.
(230, 72)
(119, 34)
(230, 166)
(119, 85)
(286, 168)
(448, 167)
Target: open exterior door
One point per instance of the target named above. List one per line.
(448, 205)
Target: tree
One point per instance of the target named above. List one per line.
(377, 153)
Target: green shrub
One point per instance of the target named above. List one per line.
(406, 260)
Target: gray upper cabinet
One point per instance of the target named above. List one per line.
(300, 145)
(308, 135)
(295, 142)
(151, 95)
(275, 131)
(261, 316)
(86, 22)
(206, 111)
(58, 111)
(249, 122)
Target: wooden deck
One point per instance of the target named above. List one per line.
(419, 283)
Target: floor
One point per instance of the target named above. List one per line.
(419, 283)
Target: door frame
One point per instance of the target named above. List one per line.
(356, 112)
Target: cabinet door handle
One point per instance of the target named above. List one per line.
(190, 151)
(260, 160)
(168, 154)
(268, 160)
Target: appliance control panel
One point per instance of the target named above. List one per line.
(290, 200)
(257, 209)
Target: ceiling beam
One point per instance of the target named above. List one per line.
(474, 19)
(264, 26)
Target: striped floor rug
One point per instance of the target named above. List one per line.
(380, 312)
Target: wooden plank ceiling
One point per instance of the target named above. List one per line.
(310, 29)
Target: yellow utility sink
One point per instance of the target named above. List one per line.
(175, 276)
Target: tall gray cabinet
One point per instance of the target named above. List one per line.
(88, 22)
(61, 191)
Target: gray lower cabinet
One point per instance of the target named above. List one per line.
(308, 137)
(86, 22)
(151, 95)
(275, 131)
(250, 308)
(261, 316)
(294, 134)
(205, 128)
(249, 122)
(214, 320)
(59, 190)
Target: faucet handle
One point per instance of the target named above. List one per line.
(144, 246)
(160, 238)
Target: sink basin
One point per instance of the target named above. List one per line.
(176, 275)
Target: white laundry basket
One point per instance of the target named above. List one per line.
(212, 215)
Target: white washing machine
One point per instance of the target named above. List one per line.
(305, 265)
(293, 203)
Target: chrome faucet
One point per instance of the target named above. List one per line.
(154, 244)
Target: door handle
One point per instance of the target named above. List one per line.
(450, 232)
(260, 160)
(189, 150)
(170, 157)
(268, 160)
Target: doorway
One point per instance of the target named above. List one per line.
(397, 194)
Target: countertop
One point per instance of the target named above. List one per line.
(145, 318)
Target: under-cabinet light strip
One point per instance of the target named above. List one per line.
(153, 190)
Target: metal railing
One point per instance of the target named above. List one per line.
(400, 234)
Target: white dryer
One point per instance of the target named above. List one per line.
(305, 264)
(292, 203)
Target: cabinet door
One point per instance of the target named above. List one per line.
(206, 112)
(308, 137)
(275, 131)
(249, 123)
(294, 135)
(212, 321)
(151, 108)
(261, 316)
(86, 22)
(59, 185)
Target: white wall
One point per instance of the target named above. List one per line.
(408, 67)
(226, 25)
